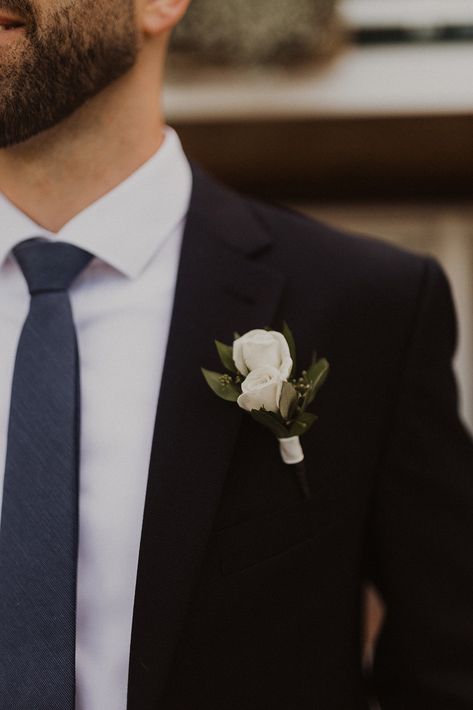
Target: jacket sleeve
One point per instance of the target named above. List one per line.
(422, 534)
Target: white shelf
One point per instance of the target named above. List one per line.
(375, 81)
(406, 13)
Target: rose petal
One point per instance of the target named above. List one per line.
(266, 398)
(262, 348)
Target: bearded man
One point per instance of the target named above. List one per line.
(155, 550)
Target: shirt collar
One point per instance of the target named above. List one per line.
(125, 227)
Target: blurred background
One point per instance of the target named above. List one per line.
(358, 112)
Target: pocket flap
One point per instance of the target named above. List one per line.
(263, 537)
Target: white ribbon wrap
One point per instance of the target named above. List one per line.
(291, 450)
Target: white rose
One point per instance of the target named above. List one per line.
(262, 348)
(261, 389)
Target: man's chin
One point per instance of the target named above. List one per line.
(13, 133)
(26, 122)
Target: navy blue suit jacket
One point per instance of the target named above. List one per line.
(248, 595)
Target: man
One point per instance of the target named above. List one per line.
(204, 579)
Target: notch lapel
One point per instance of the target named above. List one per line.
(223, 285)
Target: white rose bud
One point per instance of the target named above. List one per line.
(261, 389)
(262, 348)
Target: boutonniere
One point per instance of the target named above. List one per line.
(261, 377)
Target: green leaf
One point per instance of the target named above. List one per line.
(317, 370)
(222, 385)
(271, 421)
(288, 401)
(316, 375)
(286, 331)
(225, 353)
(302, 424)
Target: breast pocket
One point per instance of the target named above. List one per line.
(254, 541)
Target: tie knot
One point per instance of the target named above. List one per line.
(50, 266)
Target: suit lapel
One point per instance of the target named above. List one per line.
(223, 285)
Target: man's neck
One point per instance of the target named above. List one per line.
(55, 175)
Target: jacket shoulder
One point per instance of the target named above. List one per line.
(306, 250)
(301, 238)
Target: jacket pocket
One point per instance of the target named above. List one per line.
(253, 541)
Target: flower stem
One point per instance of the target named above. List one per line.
(301, 475)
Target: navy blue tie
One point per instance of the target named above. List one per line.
(39, 521)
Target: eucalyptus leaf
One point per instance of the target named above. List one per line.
(225, 353)
(316, 375)
(302, 424)
(222, 385)
(317, 369)
(286, 331)
(271, 421)
(288, 401)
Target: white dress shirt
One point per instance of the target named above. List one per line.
(122, 306)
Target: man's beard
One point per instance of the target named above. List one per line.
(65, 58)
